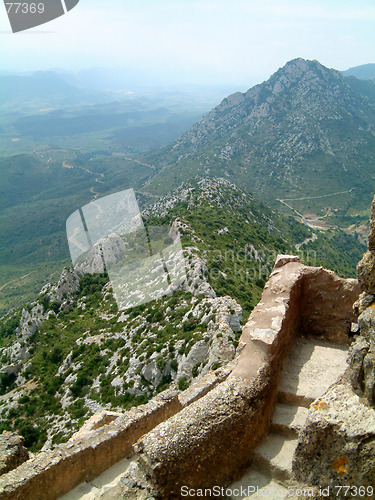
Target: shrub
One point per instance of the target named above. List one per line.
(195, 369)
(30, 433)
(182, 384)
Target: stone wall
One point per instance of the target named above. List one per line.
(326, 305)
(12, 451)
(55, 472)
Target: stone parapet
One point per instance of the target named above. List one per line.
(211, 441)
(55, 472)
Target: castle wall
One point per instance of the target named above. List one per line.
(55, 472)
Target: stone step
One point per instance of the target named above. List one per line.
(134, 484)
(106, 480)
(255, 484)
(274, 456)
(288, 420)
(309, 370)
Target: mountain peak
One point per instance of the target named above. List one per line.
(304, 132)
(298, 69)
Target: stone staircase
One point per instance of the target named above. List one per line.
(310, 369)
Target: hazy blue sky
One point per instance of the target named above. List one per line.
(203, 41)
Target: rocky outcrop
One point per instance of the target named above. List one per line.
(59, 297)
(66, 287)
(30, 321)
(336, 447)
(362, 359)
(366, 267)
(12, 451)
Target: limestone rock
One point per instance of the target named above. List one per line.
(364, 301)
(154, 373)
(362, 360)
(93, 260)
(197, 356)
(67, 285)
(135, 485)
(281, 260)
(196, 278)
(366, 272)
(336, 447)
(12, 451)
(366, 324)
(369, 375)
(357, 353)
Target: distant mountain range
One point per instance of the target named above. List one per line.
(365, 71)
(42, 85)
(306, 132)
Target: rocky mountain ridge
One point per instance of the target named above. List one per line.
(308, 131)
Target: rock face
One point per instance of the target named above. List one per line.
(67, 285)
(12, 451)
(366, 267)
(362, 357)
(366, 272)
(362, 360)
(337, 444)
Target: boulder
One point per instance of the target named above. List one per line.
(336, 446)
(366, 272)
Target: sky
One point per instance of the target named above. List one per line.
(190, 41)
